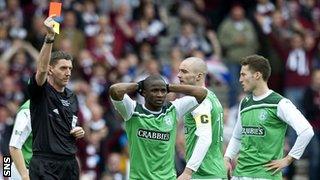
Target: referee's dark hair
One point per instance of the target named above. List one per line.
(57, 55)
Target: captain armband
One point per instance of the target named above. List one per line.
(203, 119)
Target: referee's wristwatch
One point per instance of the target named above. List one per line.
(49, 40)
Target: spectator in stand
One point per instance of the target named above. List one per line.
(5, 42)
(149, 27)
(70, 31)
(114, 167)
(37, 32)
(90, 18)
(123, 32)
(238, 39)
(188, 40)
(311, 104)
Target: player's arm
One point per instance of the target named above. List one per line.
(20, 133)
(202, 117)
(198, 92)
(118, 90)
(18, 160)
(45, 53)
(121, 101)
(234, 144)
(292, 116)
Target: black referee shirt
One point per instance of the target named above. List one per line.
(53, 115)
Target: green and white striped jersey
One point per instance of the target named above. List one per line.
(204, 139)
(263, 135)
(152, 136)
(21, 136)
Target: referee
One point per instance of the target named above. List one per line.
(53, 109)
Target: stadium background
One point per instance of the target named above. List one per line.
(126, 40)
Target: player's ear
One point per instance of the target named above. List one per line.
(143, 93)
(50, 70)
(258, 75)
(199, 76)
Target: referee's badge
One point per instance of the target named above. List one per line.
(263, 115)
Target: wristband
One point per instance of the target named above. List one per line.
(140, 87)
(49, 40)
(167, 87)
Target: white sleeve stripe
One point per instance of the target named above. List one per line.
(292, 116)
(288, 112)
(301, 143)
(233, 148)
(235, 141)
(199, 152)
(184, 105)
(21, 130)
(125, 107)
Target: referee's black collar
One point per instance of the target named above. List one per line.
(66, 92)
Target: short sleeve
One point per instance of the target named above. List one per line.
(34, 89)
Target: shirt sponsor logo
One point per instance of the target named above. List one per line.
(253, 131)
(16, 132)
(155, 135)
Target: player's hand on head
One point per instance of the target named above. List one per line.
(49, 23)
(77, 132)
(140, 87)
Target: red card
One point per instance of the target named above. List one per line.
(55, 8)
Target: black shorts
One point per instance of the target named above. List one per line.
(48, 168)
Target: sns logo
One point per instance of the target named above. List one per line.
(6, 166)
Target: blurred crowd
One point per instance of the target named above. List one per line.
(127, 40)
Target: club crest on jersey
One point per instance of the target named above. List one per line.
(263, 115)
(65, 102)
(168, 121)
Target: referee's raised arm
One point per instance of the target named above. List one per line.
(45, 53)
(54, 113)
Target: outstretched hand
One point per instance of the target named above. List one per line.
(77, 132)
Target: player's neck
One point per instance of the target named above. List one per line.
(200, 84)
(260, 89)
(152, 109)
(55, 86)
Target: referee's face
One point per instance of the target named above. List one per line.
(61, 72)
